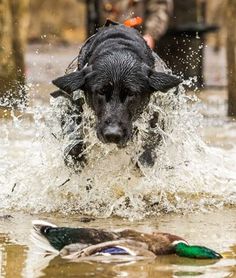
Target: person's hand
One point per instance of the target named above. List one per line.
(149, 40)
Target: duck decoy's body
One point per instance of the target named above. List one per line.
(81, 242)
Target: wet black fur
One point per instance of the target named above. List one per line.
(116, 72)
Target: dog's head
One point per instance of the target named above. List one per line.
(117, 87)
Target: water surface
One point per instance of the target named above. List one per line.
(216, 230)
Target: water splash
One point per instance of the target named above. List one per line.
(187, 175)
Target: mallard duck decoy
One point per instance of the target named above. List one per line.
(82, 242)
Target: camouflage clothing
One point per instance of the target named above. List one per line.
(155, 13)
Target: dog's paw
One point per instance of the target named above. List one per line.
(73, 155)
(147, 158)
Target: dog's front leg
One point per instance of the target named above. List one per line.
(148, 156)
(72, 132)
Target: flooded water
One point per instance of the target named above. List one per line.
(190, 191)
(213, 229)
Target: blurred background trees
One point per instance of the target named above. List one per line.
(14, 17)
(57, 21)
(231, 56)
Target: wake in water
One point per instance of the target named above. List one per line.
(187, 175)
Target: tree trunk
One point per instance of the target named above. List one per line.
(231, 56)
(13, 31)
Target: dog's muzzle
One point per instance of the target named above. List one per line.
(113, 134)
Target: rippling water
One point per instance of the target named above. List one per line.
(19, 258)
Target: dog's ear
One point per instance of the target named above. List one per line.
(60, 93)
(72, 81)
(160, 81)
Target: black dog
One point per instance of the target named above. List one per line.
(116, 73)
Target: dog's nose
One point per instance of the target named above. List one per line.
(113, 134)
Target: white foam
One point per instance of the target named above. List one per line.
(188, 174)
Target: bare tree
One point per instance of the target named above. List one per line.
(13, 31)
(231, 56)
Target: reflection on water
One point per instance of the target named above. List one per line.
(19, 258)
(12, 258)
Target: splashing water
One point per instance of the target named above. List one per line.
(187, 174)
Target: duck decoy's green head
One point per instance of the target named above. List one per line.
(194, 251)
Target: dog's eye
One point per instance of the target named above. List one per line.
(131, 94)
(101, 92)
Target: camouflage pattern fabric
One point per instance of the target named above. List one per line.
(156, 13)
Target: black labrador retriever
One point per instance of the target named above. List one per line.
(116, 72)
